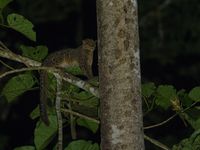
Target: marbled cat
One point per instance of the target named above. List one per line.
(81, 56)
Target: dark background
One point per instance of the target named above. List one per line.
(169, 44)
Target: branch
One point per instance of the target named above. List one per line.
(161, 123)
(155, 142)
(80, 115)
(12, 56)
(58, 112)
(25, 69)
(79, 83)
(170, 118)
(6, 65)
(72, 122)
(4, 52)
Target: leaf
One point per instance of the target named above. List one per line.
(70, 89)
(186, 101)
(44, 134)
(35, 113)
(88, 124)
(148, 89)
(36, 53)
(86, 99)
(18, 85)
(25, 148)
(82, 145)
(165, 93)
(22, 25)
(74, 70)
(194, 94)
(191, 143)
(195, 123)
(4, 3)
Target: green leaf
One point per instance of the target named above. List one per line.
(88, 124)
(82, 145)
(83, 95)
(4, 3)
(70, 88)
(25, 148)
(74, 70)
(22, 25)
(194, 94)
(195, 123)
(192, 143)
(86, 99)
(184, 98)
(148, 89)
(44, 134)
(165, 94)
(18, 85)
(36, 53)
(35, 113)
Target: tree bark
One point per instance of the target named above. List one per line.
(119, 75)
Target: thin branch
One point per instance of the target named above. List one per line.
(161, 123)
(25, 69)
(72, 122)
(80, 115)
(3, 47)
(6, 65)
(157, 143)
(170, 118)
(58, 112)
(12, 56)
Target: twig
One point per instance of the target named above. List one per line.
(6, 65)
(58, 112)
(170, 118)
(80, 115)
(4, 47)
(161, 123)
(155, 142)
(25, 69)
(72, 122)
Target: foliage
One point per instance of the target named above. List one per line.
(158, 100)
(36, 53)
(18, 85)
(191, 143)
(195, 94)
(43, 135)
(25, 148)
(22, 25)
(82, 145)
(4, 3)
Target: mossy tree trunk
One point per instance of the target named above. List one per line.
(119, 75)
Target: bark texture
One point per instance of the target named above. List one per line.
(119, 75)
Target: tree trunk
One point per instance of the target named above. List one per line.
(119, 75)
